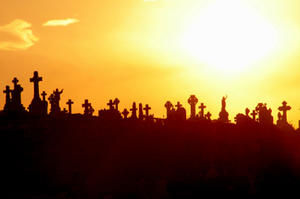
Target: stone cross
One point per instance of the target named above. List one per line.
(44, 95)
(147, 108)
(36, 79)
(116, 103)
(111, 105)
(45, 103)
(284, 108)
(7, 92)
(254, 114)
(86, 107)
(125, 113)
(69, 103)
(16, 95)
(178, 105)
(193, 101)
(15, 81)
(133, 111)
(202, 107)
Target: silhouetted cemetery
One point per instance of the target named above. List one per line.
(50, 152)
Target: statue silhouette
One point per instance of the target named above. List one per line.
(65, 155)
(54, 100)
(223, 115)
(264, 114)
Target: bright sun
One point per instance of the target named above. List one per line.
(229, 37)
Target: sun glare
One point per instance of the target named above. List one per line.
(229, 37)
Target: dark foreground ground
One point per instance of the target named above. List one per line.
(92, 159)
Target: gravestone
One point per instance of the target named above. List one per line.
(168, 106)
(193, 101)
(7, 92)
(202, 107)
(36, 106)
(88, 110)
(284, 108)
(111, 105)
(254, 114)
(116, 103)
(16, 104)
(69, 103)
(147, 109)
(45, 103)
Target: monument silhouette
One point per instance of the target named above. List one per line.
(202, 107)
(88, 109)
(133, 111)
(13, 98)
(113, 113)
(45, 104)
(36, 106)
(193, 101)
(16, 104)
(7, 92)
(70, 103)
(133, 154)
(147, 109)
(223, 115)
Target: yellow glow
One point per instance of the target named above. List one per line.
(229, 37)
(156, 51)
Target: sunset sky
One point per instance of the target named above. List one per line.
(152, 51)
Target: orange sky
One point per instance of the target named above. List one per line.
(154, 51)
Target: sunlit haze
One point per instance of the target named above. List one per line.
(153, 51)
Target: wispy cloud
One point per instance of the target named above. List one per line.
(16, 35)
(61, 22)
